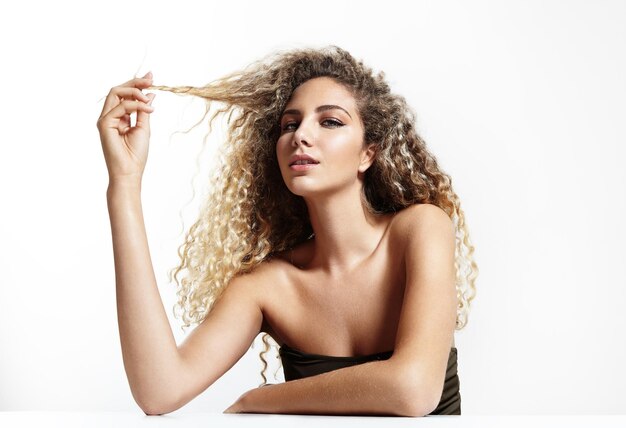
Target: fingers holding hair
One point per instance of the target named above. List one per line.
(143, 116)
(130, 90)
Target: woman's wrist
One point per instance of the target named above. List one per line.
(124, 185)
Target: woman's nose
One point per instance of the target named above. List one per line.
(302, 135)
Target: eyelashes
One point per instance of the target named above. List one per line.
(333, 123)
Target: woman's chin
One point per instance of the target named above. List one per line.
(300, 190)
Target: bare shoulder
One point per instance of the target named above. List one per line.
(266, 284)
(420, 217)
(262, 281)
(268, 271)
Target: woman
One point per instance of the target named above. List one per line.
(329, 227)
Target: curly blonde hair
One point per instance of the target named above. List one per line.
(250, 215)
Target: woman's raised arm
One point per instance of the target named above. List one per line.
(161, 376)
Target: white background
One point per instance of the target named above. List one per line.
(522, 102)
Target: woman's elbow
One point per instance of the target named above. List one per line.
(154, 408)
(415, 401)
(413, 410)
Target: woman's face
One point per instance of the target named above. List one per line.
(321, 120)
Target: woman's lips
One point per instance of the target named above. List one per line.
(303, 167)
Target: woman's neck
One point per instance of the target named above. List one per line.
(346, 233)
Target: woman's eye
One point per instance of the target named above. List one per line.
(333, 122)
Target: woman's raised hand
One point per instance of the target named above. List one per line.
(125, 147)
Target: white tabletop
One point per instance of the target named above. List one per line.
(206, 420)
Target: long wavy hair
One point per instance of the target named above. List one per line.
(250, 214)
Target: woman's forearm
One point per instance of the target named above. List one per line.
(370, 389)
(149, 350)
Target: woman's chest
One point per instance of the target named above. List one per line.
(355, 314)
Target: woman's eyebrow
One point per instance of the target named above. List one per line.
(317, 110)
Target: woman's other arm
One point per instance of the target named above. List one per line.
(374, 388)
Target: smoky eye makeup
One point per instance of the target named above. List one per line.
(329, 122)
(333, 122)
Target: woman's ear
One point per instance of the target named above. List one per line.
(367, 157)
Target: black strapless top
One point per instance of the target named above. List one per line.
(297, 365)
